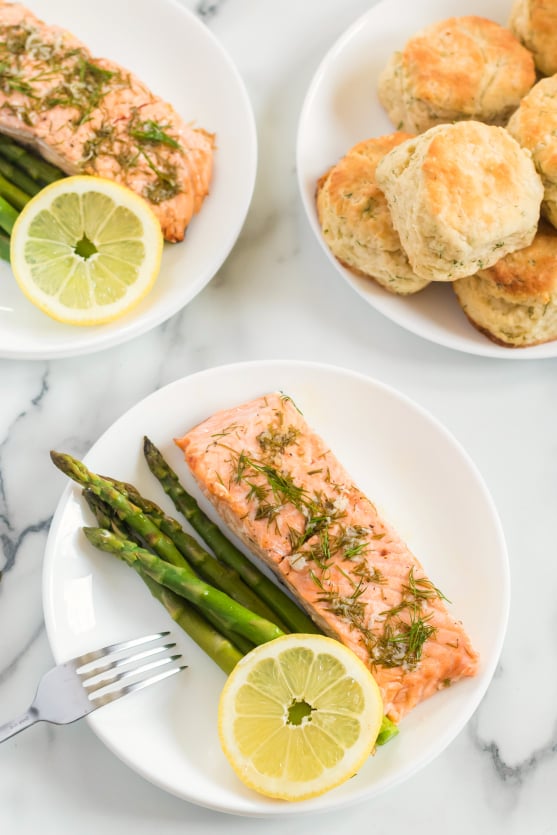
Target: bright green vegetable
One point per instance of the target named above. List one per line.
(218, 574)
(18, 177)
(38, 169)
(4, 247)
(8, 215)
(184, 582)
(209, 639)
(14, 195)
(278, 601)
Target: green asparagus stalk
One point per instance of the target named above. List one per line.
(4, 247)
(14, 195)
(106, 518)
(140, 525)
(212, 642)
(8, 215)
(218, 574)
(278, 601)
(18, 177)
(184, 583)
(124, 509)
(40, 170)
(387, 731)
(233, 614)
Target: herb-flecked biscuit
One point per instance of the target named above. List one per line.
(461, 196)
(514, 302)
(460, 68)
(534, 126)
(356, 222)
(534, 22)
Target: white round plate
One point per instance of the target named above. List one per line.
(406, 462)
(180, 59)
(341, 108)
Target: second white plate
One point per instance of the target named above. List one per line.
(187, 66)
(407, 463)
(341, 108)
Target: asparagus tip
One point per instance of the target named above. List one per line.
(70, 466)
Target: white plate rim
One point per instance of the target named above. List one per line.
(376, 297)
(92, 340)
(328, 802)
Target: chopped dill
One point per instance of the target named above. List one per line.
(274, 441)
(152, 133)
(421, 588)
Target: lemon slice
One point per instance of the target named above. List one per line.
(298, 716)
(86, 250)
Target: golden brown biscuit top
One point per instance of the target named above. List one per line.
(535, 123)
(475, 175)
(374, 149)
(351, 185)
(452, 64)
(543, 25)
(529, 272)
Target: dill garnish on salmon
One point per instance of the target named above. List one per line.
(89, 115)
(283, 492)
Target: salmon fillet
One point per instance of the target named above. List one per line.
(283, 492)
(91, 116)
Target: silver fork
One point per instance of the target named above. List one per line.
(73, 689)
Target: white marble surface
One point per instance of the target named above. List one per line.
(278, 297)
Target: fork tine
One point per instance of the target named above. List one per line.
(97, 670)
(118, 676)
(88, 657)
(112, 695)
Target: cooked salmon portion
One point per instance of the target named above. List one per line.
(278, 486)
(89, 115)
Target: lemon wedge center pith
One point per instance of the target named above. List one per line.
(299, 716)
(86, 250)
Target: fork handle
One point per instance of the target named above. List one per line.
(30, 716)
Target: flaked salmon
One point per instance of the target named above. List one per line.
(89, 115)
(284, 493)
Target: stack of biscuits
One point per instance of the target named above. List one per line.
(465, 189)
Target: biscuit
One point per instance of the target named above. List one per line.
(534, 23)
(461, 196)
(514, 302)
(460, 68)
(534, 126)
(356, 222)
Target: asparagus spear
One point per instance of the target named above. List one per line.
(176, 570)
(18, 177)
(4, 247)
(38, 169)
(183, 582)
(8, 215)
(14, 195)
(218, 574)
(212, 642)
(279, 602)
(387, 731)
(107, 519)
(124, 509)
(216, 646)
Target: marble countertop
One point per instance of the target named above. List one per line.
(277, 297)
